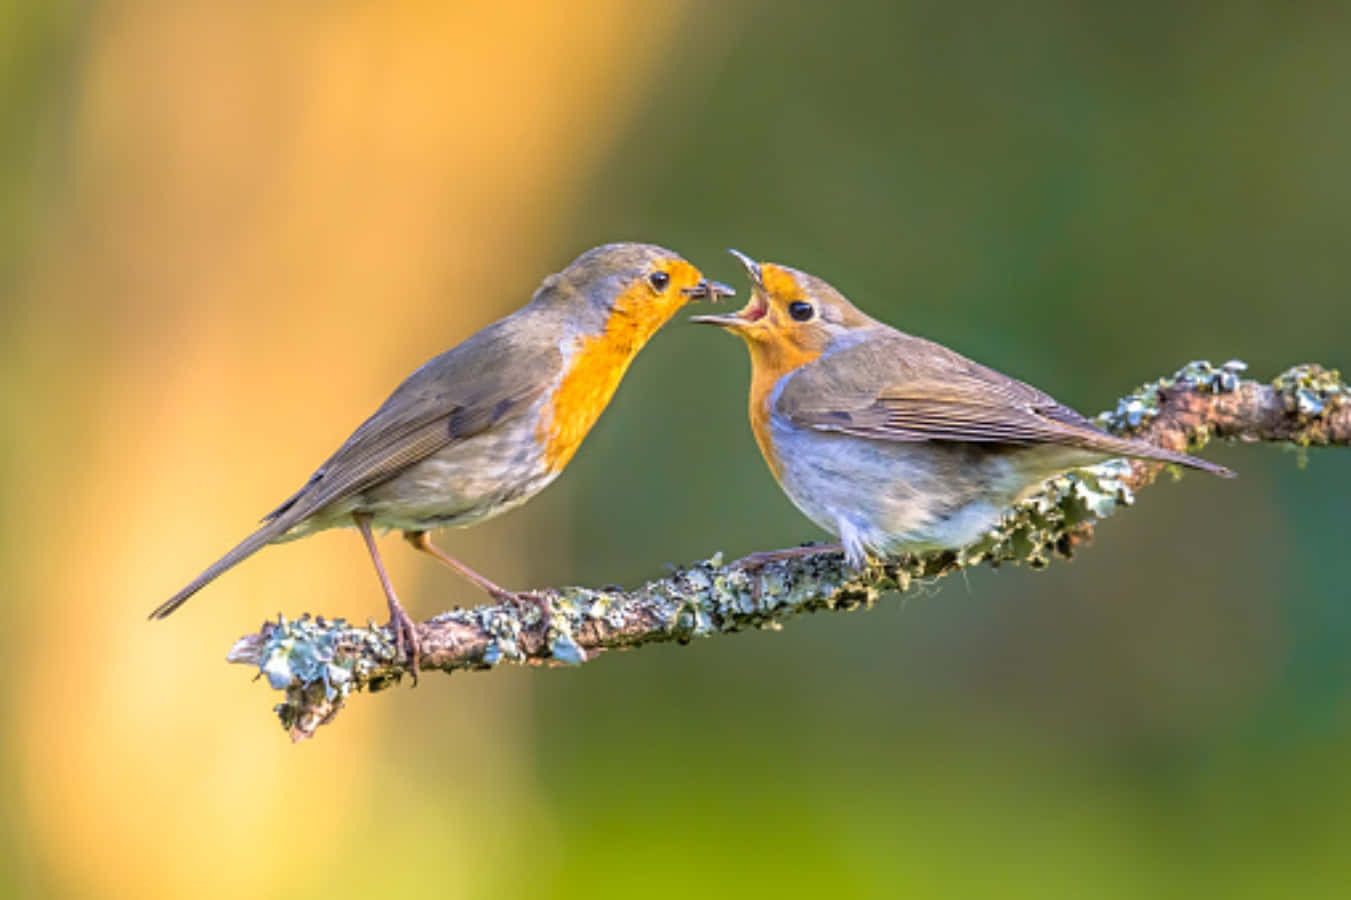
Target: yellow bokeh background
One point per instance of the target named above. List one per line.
(230, 229)
(271, 215)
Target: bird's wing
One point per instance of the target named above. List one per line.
(894, 387)
(470, 388)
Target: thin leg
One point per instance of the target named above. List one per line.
(421, 541)
(405, 632)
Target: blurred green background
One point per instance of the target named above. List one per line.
(229, 230)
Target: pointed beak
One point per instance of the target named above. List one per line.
(708, 290)
(753, 311)
(752, 268)
(732, 321)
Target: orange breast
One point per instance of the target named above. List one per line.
(759, 412)
(597, 366)
(771, 361)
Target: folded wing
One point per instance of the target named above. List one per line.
(895, 387)
(455, 396)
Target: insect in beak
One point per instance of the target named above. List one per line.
(708, 290)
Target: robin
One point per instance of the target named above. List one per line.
(488, 424)
(893, 443)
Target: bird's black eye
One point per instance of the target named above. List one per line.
(659, 280)
(801, 310)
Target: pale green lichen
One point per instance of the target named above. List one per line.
(564, 648)
(1140, 406)
(1311, 391)
(1223, 379)
(504, 626)
(1034, 530)
(319, 655)
(307, 649)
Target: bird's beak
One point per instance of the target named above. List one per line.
(752, 269)
(754, 311)
(708, 290)
(733, 321)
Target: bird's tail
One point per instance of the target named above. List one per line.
(247, 547)
(1141, 450)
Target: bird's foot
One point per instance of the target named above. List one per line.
(407, 644)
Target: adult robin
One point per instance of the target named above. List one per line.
(893, 443)
(488, 424)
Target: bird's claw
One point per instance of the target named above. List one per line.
(407, 644)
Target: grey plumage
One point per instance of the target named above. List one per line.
(457, 441)
(887, 385)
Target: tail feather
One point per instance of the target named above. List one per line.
(247, 547)
(1141, 450)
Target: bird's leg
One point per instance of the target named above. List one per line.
(752, 563)
(421, 541)
(405, 632)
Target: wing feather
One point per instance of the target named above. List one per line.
(470, 388)
(895, 387)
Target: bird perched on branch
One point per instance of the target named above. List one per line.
(891, 442)
(488, 424)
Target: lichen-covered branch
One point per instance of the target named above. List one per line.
(319, 662)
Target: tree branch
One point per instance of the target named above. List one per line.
(319, 662)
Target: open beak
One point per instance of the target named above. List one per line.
(733, 321)
(708, 290)
(753, 311)
(752, 268)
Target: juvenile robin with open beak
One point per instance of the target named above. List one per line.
(488, 424)
(892, 443)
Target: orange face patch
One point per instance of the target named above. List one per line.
(599, 362)
(777, 346)
(780, 284)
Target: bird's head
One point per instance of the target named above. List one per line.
(792, 317)
(642, 282)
